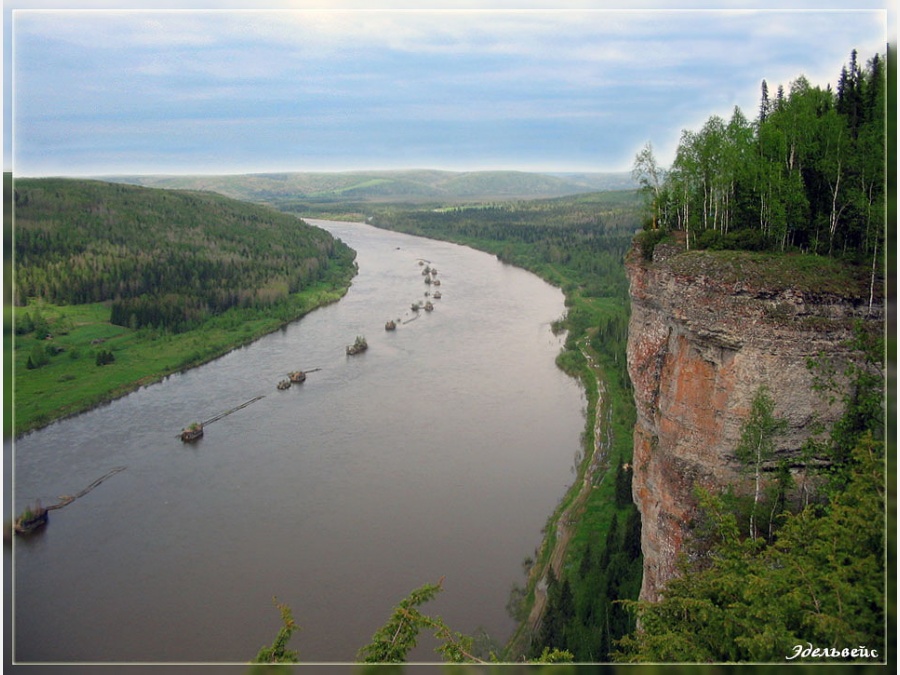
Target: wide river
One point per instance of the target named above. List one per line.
(439, 452)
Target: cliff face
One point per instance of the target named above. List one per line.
(702, 339)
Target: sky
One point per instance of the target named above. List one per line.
(229, 87)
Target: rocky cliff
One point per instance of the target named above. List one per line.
(706, 330)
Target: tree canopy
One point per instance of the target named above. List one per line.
(807, 174)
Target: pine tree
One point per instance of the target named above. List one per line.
(764, 103)
(822, 582)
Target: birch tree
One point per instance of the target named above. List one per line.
(649, 176)
(757, 443)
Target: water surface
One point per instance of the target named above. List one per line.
(439, 452)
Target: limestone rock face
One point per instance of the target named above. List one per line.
(702, 340)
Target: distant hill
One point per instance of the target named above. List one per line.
(384, 186)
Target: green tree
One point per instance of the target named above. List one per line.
(764, 103)
(393, 641)
(858, 386)
(757, 443)
(833, 161)
(650, 176)
(40, 325)
(685, 180)
(632, 543)
(778, 494)
(23, 323)
(105, 357)
(821, 582)
(38, 357)
(623, 485)
(278, 652)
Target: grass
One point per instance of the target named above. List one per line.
(777, 271)
(71, 381)
(600, 505)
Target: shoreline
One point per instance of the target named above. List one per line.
(561, 524)
(65, 412)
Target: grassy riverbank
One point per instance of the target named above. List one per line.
(71, 380)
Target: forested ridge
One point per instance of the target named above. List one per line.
(587, 235)
(291, 189)
(164, 259)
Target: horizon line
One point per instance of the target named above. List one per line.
(255, 172)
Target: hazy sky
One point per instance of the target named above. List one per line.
(206, 87)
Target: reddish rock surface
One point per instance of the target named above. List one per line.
(701, 342)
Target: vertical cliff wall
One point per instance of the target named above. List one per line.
(706, 331)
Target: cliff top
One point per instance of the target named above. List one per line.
(762, 272)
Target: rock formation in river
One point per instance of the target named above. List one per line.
(705, 332)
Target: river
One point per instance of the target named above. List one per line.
(437, 453)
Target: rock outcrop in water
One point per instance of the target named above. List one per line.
(705, 332)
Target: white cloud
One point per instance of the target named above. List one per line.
(174, 69)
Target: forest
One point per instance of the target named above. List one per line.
(807, 174)
(162, 259)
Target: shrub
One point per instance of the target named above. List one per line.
(105, 357)
(710, 239)
(746, 240)
(647, 241)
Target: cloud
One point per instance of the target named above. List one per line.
(540, 85)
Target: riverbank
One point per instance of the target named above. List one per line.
(577, 534)
(72, 380)
(564, 522)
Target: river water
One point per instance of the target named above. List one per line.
(439, 452)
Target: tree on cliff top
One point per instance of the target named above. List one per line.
(806, 175)
(650, 177)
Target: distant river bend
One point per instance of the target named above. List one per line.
(438, 452)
